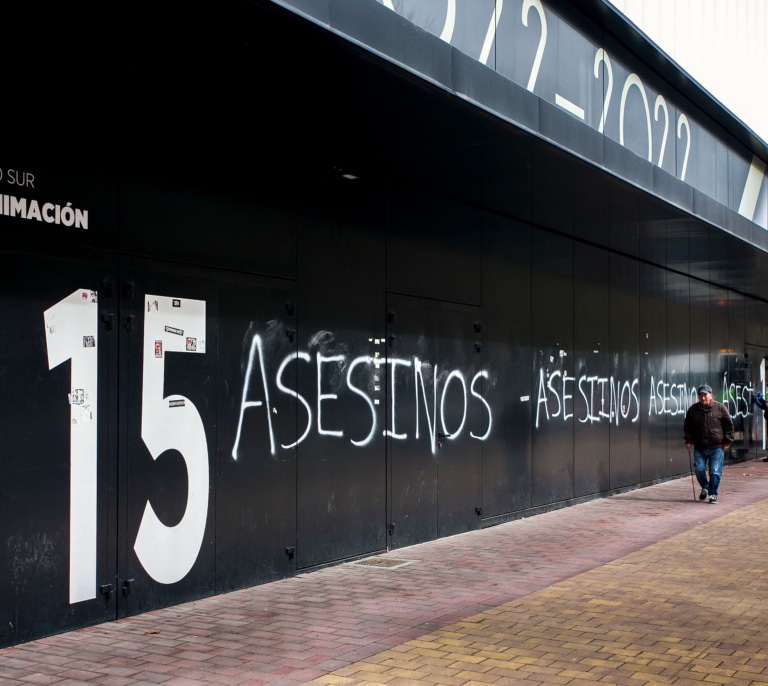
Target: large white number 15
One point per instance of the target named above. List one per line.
(167, 423)
(167, 553)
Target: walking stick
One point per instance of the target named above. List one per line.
(690, 462)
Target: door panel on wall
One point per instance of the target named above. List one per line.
(256, 428)
(625, 371)
(341, 460)
(755, 422)
(506, 334)
(434, 418)
(169, 378)
(678, 367)
(756, 336)
(736, 380)
(553, 367)
(57, 507)
(591, 370)
(654, 386)
(721, 355)
(433, 247)
(700, 348)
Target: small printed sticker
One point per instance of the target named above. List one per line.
(171, 329)
(89, 341)
(191, 344)
(176, 302)
(158, 348)
(176, 403)
(78, 396)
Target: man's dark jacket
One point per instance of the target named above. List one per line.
(708, 427)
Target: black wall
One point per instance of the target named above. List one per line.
(294, 368)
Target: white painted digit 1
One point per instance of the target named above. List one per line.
(536, 4)
(71, 334)
(168, 553)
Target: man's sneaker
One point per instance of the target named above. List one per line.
(713, 500)
(704, 494)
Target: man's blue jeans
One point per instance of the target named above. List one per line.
(714, 458)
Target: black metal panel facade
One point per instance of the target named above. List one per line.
(592, 369)
(435, 408)
(295, 311)
(552, 302)
(625, 405)
(255, 482)
(433, 247)
(678, 365)
(507, 306)
(341, 502)
(653, 384)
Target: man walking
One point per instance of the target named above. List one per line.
(709, 428)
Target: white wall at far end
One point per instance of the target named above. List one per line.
(722, 44)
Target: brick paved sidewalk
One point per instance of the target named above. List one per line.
(645, 587)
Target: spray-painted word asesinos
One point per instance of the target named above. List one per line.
(362, 376)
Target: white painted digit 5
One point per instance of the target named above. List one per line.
(168, 553)
(71, 334)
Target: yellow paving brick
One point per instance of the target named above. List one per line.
(639, 620)
(602, 601)
(411, 674)
(651, 678)
(595, 662)
(625, 652)
(373, 677)
(462, 660)
(372, 667)
(401, 662)
(445, 680)
(425, 644)
(424, 652)
(344, 672)
(481, 680)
